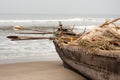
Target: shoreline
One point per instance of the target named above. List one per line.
(42, 70)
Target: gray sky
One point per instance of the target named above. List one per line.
(110, 7)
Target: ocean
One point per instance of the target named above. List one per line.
(38, 50)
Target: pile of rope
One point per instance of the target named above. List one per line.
(100, 43)
(105, 37)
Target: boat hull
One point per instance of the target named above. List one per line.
(95, 66)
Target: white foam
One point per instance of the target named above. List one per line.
(73, 19)
(52, 22)
(83, 27)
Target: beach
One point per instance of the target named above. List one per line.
(31, 60)
(42, 70)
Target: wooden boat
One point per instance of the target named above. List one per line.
(95, 65)
(100, 65)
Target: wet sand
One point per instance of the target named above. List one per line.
(44, 70)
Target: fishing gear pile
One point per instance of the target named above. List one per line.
(104, 37)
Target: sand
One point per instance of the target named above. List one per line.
(45, 70)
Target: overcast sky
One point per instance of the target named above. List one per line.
(111, 7)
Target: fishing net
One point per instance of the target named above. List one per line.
(105, 37)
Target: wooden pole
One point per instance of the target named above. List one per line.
(34, 32)
(109, 22)
(13, 38)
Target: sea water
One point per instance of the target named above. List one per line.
(37, 50)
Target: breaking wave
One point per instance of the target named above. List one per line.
(53, 22)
